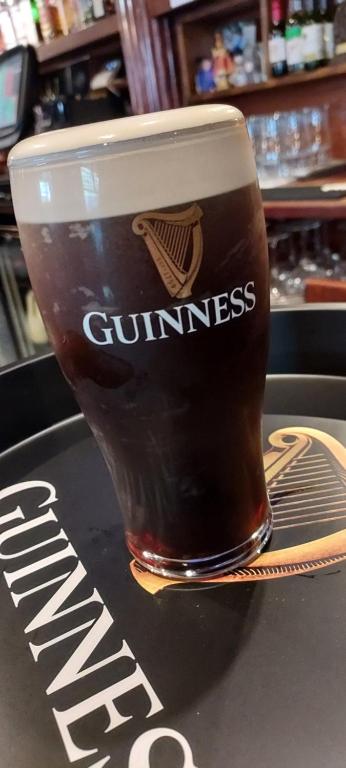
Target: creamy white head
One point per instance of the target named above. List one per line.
(130, 165)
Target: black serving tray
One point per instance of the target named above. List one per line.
(247, 670)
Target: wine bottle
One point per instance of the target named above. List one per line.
(327, 14)
(98, 9)
(277, 46)
(294, 37)
(312, 32)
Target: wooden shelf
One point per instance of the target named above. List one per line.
(65, 44)
(333, 70)
(160, 7)
(309, 209)
(306, 209)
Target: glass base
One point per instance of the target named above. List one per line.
(207, 567)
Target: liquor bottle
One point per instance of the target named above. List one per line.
(109, 7)
(8, 34)
(87, 11)
(327, 15)
(312, 32)
(26, 26)
(36, 19)
(340, 29)
(58, 17)
(294, 37)
(46, 21)
(277, 47)
(98, 9)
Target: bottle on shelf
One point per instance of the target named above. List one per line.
(66, 16)
(312, 32)
(58, 17)
(277, 46)
(25, 23)
(98, 9)
(46, 21)
(109, 7)
(294, 36)
(327, 14)
(8, 35)
(36, 19)
(101, 8)
(87, 11)
(340, 29)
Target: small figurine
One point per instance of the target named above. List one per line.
(204, 76)
(222, 63)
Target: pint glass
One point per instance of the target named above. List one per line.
(145, 244)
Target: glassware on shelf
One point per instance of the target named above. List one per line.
(282, 262)
(291, 144)
(318, 132)
(263, 131)
(298, 251)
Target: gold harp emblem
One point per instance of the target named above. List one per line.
(305, 471)
(175, 243)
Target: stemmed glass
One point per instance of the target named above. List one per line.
(282, 262)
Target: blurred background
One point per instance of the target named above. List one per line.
(65, 63)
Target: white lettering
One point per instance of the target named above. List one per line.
(17, 514)
(105, 699)
(250, 295)
(13, 576)
(119, 329)
(29, 485)
(143, 326)
(18, 596)
(50, 611)
(140, 752)
(73, 669)
(148, 327)
(237, 302)
(192, 309)
(107, 332)
(28, 526)
(175, 323)
(101, 763)
(221, 305)
(37, 649)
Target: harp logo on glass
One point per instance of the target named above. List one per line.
(175, 243)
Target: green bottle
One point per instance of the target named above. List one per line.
(294, 36)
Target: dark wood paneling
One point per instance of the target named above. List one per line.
(159, 7)
(310, 209)
(148, 53)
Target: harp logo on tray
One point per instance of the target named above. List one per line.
(306, 479)
(52, 560)
(175, 243)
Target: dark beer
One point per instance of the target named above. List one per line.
(156, 302)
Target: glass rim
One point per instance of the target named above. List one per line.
(123, 135)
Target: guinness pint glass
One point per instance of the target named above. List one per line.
(145, 243)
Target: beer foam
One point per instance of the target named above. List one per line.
(131, 164)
